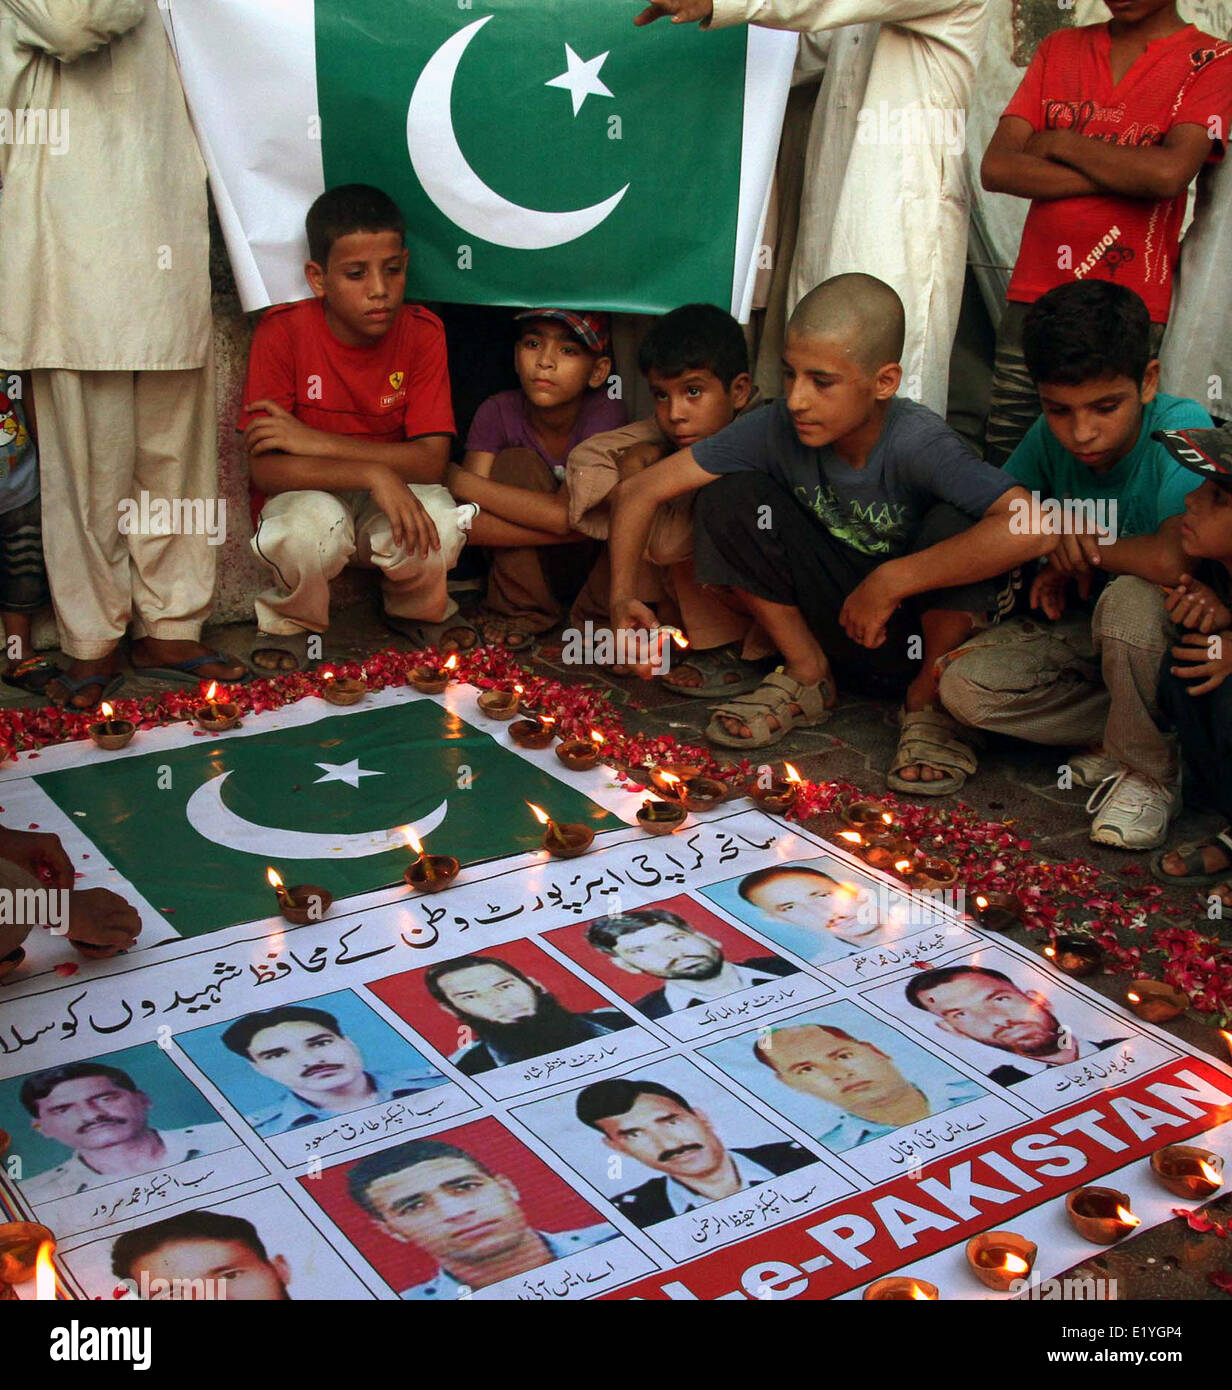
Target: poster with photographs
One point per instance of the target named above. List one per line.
(732, 1062)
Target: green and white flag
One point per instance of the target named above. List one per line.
(194, 828)
(543, 151)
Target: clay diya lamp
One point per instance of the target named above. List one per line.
(430, 872)
(703, 793)
(928, 875)
(342, 690)
(580, 754)
(998, 1258)
(667, 778)
(1100, 1214)
(998, 911)
(216, 715)
(532, 733)
(562, 839)
(1155, 1001)
(430, 680)
(779, 793)
(661, 817)
(1186, 1171)
(867, 816)
(899, 1289)
(500, 704)
(1075, 955)
(884, 852)
(305, 902)
(111, 733)
(20, 1243)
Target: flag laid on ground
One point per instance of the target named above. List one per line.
(543, 151)
(194, 828)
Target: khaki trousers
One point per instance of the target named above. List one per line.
(1085, 679)
(306, 538)
(107, 437)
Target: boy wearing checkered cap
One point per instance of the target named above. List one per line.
(514, 469)
(1195, 692)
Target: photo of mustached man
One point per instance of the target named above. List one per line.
(305, 1051)
(510, 1016)
(103, 1117)
(658, 1128)
(652, 941)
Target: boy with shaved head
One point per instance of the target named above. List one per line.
(848, 521)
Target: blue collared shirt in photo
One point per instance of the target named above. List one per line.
(851, 1130)
(293, 1111)
(443, 1286)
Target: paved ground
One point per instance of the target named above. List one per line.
(1015, 781)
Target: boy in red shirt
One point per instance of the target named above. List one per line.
(1106, 131)
(347, 419)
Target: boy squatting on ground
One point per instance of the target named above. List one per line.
(1106, 131)
(347, 419)
(825, 513)
(1195, 690)
(1090, 678)
(514, 469)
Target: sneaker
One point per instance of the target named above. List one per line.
(1131, 811)
(1091, 768)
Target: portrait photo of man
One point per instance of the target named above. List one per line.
(468, 1219)
(201, 1255)
(102, 1117)
(657, 1127)
(823, 910)
(693, 966)
(985, 1006)
(321, 1071)
(863, 1091)
(507, 1015)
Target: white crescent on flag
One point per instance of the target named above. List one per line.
(211, 817)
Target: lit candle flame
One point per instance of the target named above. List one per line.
(327, 674)
(887, 817)
(1227, 1037)
(982, 902)
(412, 840)
(597, 737)
(792, 774)
(105, 710)
(211, 691)
(917, 1292)
(1133, 997)
(902, 865)
(1210, 1173)
(851, 836)
(1127, 1218)
(45, 1272)
(1015, 1264)
(1050, 952)
(669, 778)
(275, 879)
(540, 814)
(452, 663)
(517, 689)
(546, 720)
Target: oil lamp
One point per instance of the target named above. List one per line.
(430, 872)
(216, 715)
(998, 1258)
(562, 840)
(1100, 1214)
(111, 733)
(306, 902)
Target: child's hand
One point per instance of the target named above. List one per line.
(681, 11)
(1078, 555)
(868, 609)
(40, 853)
(1048, 591)
(1208, 658)
(637, 457)
(279, 432)
(631, 615)
(410, 523)
(100, 918)
(1195, 605)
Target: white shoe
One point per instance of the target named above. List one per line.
(1090, 768)
(1131, 811)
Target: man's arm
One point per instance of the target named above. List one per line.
(69, 29)
(1008, 168)
(802, 16)
(634, 503)
(1137, 171)
(539, 511)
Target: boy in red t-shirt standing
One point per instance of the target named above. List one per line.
(1106, 131)
(347, 419)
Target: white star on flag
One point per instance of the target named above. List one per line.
(350, 773)
(581, 80)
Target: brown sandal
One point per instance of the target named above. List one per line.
(772, 698)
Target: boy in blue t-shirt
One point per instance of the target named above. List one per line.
(1088, 676)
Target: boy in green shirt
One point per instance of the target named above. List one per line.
(1089, 675)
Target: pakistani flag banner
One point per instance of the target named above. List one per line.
(194, 828)
(543, 151)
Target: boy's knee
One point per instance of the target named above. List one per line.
(962, 692)
(1131, 610)
(523, 468)
(300, 530)
(737, 502)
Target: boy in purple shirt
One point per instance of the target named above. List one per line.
(515, 465)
